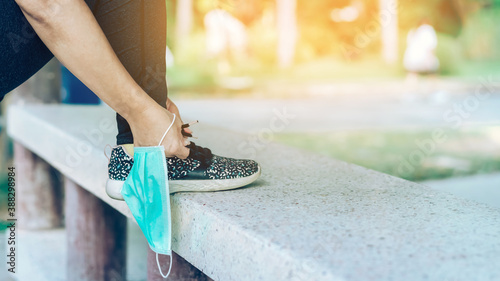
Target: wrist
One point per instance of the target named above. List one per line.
(136, 103)
(145, 113)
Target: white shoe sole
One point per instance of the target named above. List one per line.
(114, 187)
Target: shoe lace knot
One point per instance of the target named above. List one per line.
(202, 154)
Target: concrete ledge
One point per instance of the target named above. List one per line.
(308, 217)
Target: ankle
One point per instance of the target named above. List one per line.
(129, 148)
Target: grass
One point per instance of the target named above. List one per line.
(323, 69)
(201, 80)
(465, 152)
(474, 69)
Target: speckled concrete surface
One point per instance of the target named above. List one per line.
(312, 218)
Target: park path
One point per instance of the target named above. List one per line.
(324, 114)
(359, 113)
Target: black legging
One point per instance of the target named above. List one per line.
(136, 29)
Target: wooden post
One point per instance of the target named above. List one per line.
(39, 194)
(287, 31)
(182, 270)
(96, 235)
(39, 189)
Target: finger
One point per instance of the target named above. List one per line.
(178, 115)
(169, 103)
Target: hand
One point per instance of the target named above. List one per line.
(149, 125)
(173, 108)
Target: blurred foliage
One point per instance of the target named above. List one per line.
(468, 33)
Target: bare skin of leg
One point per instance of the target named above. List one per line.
(69, 29)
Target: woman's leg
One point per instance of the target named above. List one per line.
(70, 31)
(23, 53)
(137, 32)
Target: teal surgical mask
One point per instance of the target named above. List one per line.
(147, 195)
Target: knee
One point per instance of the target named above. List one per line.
(41, 10)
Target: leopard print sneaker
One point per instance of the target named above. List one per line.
(200, 171)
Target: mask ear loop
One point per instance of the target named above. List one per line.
(110, 150)
(169, 267)
(165, 134)
(157, 261)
